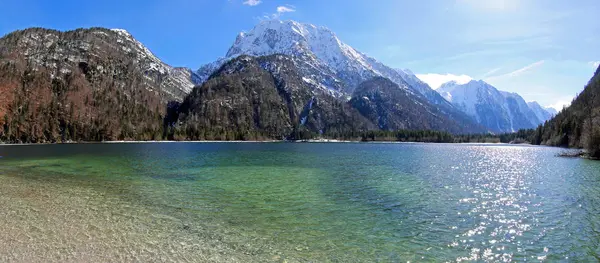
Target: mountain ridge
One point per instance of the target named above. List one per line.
(499, 110)
(84, 84)
(327, 62)
(120, 79)
(43, 47)
(543, 113)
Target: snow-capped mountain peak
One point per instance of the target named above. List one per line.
(322, 56)
(542, 113)
(293, 38)
(499, 110)
(325, 61)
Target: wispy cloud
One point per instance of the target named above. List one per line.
(285, 9)
(559, 105)
(252, 2)
(490, 73)
(519, 72)
(436, 80)
(594, 64)
(526, 68)
(491, 4)
(478, 54)
(280, 11)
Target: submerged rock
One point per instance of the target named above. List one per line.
(572, 153)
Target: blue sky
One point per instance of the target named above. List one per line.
(545, 50)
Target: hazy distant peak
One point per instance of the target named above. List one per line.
(435, 81)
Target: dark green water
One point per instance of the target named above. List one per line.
(285, 202)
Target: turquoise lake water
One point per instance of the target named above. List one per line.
(297, 202)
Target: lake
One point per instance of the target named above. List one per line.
(297, 202)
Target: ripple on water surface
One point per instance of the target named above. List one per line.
(296, 203)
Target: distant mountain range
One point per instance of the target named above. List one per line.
(500, 111)
(320, 55)
(543, 113)
(282, 79)
(329, 63)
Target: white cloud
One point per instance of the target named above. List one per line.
(285, 9)
(594, 64)
(280, 11)
(252, 2)
(518, 72)
(559, 105)
(436, 80)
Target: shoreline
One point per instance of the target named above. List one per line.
(270, 141)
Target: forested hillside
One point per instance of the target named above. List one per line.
(78, 85)
(579, 124)
(262, 98)
(102, 85)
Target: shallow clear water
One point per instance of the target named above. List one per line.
(286, 202)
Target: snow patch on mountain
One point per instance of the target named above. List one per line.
(319, 53)
(498, 110)
(543, 114)
(325, 62)
(141, 51)
(285, 37)
(435, 81)
(182, 79)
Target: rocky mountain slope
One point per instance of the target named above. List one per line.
(543, 114)
(498, 110)
(262, 98)
(102, 84)
(60, 52)
(391, 108)
(324, 61)
(85, 84)
(269, 97)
